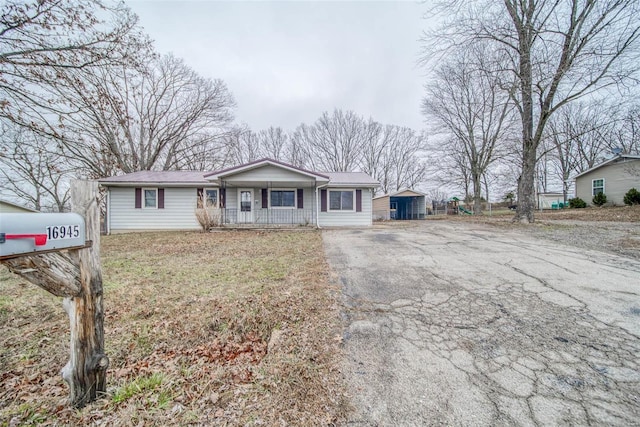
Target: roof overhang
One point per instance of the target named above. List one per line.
(156, 184)
(606, 162)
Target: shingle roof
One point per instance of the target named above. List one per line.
(196, 177)
(168, 177)
(350, 178)
(606, 162)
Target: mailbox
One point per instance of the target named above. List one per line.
(28, 233)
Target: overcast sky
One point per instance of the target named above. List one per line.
(287, 62)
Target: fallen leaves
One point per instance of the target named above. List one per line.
(241, 326)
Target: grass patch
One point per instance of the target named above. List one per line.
(200, 328)
(137, 386)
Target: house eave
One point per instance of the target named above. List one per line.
(157, 184)
(606, 162)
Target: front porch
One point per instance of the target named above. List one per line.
(267, 217)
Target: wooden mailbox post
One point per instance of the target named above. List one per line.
(73, 272)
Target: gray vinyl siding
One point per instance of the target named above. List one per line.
(618, 179)
(178, 213)
(349, 219)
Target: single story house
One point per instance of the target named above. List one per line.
(10, 207)
(263, 192)
(403, 204)
(613, 177)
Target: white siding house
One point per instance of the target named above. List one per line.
(265, 192)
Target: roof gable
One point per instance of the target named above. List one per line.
(351, 179)
(262, 163)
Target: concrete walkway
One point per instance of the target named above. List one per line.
(462, 324)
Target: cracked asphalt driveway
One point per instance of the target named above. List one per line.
(462, 324)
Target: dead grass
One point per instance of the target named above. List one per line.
(232, 328)
(608, 214)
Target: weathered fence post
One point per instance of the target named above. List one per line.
(75, 275)
(87, 367)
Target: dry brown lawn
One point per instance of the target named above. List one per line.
(226, 328)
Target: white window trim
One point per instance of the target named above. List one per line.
(217, 196)
(352, 190)
(593, 181)
(144, 201)
(295, 198)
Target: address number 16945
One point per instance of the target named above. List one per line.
(57, 232)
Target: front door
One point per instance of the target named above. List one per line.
(245, 211)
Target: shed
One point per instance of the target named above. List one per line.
(550, 200)
(403, 205)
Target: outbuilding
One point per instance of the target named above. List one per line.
(403, 205)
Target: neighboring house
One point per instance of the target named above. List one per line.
(613, 177)
(403, 204)
(9, 207)
(263, 192)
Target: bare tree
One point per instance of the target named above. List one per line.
(334, 142)
(274, 143)
(469, 103)
(625, 135)
(404, 157)
(559, 52)
(157, 118)
(40, 40)
(242, 146)
(31, 170)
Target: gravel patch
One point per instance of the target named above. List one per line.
(620, 238)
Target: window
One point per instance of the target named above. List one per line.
(341, 200)
(283, 198)
(210, 195)
(212, 198)
(150, 197)
(598, 186)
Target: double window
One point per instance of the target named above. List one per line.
(341, 200)
(283, 198)
(597, 186)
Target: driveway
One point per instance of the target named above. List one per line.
(463, 324)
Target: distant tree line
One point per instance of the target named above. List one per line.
(339, 141)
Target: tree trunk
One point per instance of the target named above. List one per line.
(87, 367)
(526, 190)
(477, 195)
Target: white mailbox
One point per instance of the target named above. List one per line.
(27, 233)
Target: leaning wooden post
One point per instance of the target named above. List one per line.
(87, 367)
